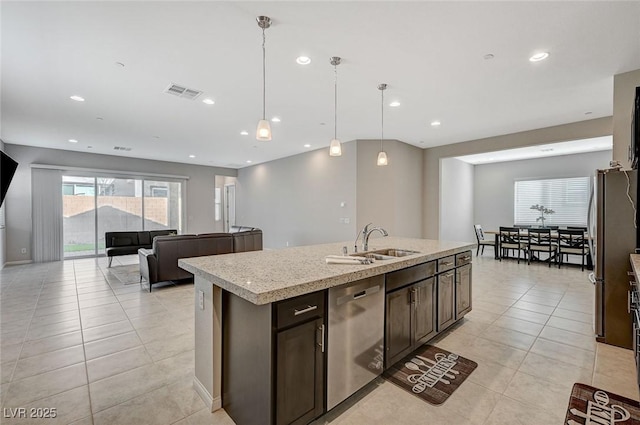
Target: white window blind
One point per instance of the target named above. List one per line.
(568, 197)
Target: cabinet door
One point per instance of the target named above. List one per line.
(446, 300)
(300, 374)
(398, 337)
(425, 318)
(463, 290)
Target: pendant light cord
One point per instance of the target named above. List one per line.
(264, 76)
(382, 121)
(335, 102)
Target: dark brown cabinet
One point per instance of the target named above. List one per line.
(273, 360)
(463, 290)
(300, 373)
(410, 315)
(446, 300)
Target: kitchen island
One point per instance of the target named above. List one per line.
(261, 319)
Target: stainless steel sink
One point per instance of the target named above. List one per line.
(386, 254)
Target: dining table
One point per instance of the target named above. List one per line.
(524, 232)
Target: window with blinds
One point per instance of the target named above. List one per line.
(569, 198)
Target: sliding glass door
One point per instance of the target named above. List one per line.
(79, 216)
(95, 205)
(119, 207)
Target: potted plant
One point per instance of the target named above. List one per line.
(543, 210)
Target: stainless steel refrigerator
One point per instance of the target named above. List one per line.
(613, 238)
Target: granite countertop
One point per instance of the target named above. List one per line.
(635, 264)
(263, 277)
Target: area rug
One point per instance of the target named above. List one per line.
(431, 373)
(590, 405)
(127, 274)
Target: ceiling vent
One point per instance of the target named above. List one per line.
(121, 148)
(182, 92)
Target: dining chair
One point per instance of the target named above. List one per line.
(572, 241)
(510, 239)
(540, 241)
(522, 226)
(583, 228)
(482, 242)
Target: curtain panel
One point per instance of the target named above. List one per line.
(47, 214)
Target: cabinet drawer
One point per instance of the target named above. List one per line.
(446, 263)
(463, 258)
(300, 309)
(400, 278)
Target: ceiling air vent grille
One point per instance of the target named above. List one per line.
(182, 92)
(121, 148)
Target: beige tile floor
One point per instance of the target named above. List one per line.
(74, 338)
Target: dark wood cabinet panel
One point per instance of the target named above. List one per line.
(299, 374)
(463, 290)
(425, 311)
(398, 337)
(446, 300)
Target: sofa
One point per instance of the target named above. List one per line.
(126, 243)
(160, 262)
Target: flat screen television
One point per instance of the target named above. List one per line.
(635, 131)
(7, 170)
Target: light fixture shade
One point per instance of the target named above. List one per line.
(263, 133)
(335, 148)
(382, 158)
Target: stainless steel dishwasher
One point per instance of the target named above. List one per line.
(355, 340)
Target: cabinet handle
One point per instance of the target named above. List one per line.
(448, 263)
(417, 295)
(309, 308)
(450, 274)
(321, 329)
(628, 301)
(466, 258)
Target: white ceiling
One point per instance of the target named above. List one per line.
(541, 151)
(429, 53)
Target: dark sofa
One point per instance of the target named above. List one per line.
(160, 263)
(126, 243)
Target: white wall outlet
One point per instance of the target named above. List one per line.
(23, 250)
(201, 299)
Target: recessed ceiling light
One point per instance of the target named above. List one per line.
(307, 145)
(539, 57)
(77, 98)
(244, 133)
(99, 118)
(488, 56)
(208, 101)
(394, 104)
(192, 156)
(588, 113)
(275, 119)
(303, 60)
(249, 161)
(73, 141)
(435, 123)
(120, 64)
(156, 137)
(89, 147)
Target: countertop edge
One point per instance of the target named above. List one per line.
(354, 273)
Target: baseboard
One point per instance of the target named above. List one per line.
(214, 404)
(17, 263)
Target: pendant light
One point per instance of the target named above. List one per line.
(335, 148)
(263, 132)
(382, 155)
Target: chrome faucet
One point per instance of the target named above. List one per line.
(366, 232)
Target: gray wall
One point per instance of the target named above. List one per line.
(456, 200)
(494, 190)
(296, 200)
(3, 234)
(432, 156)
(624, 91)
(390, 196)
(199, 196)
